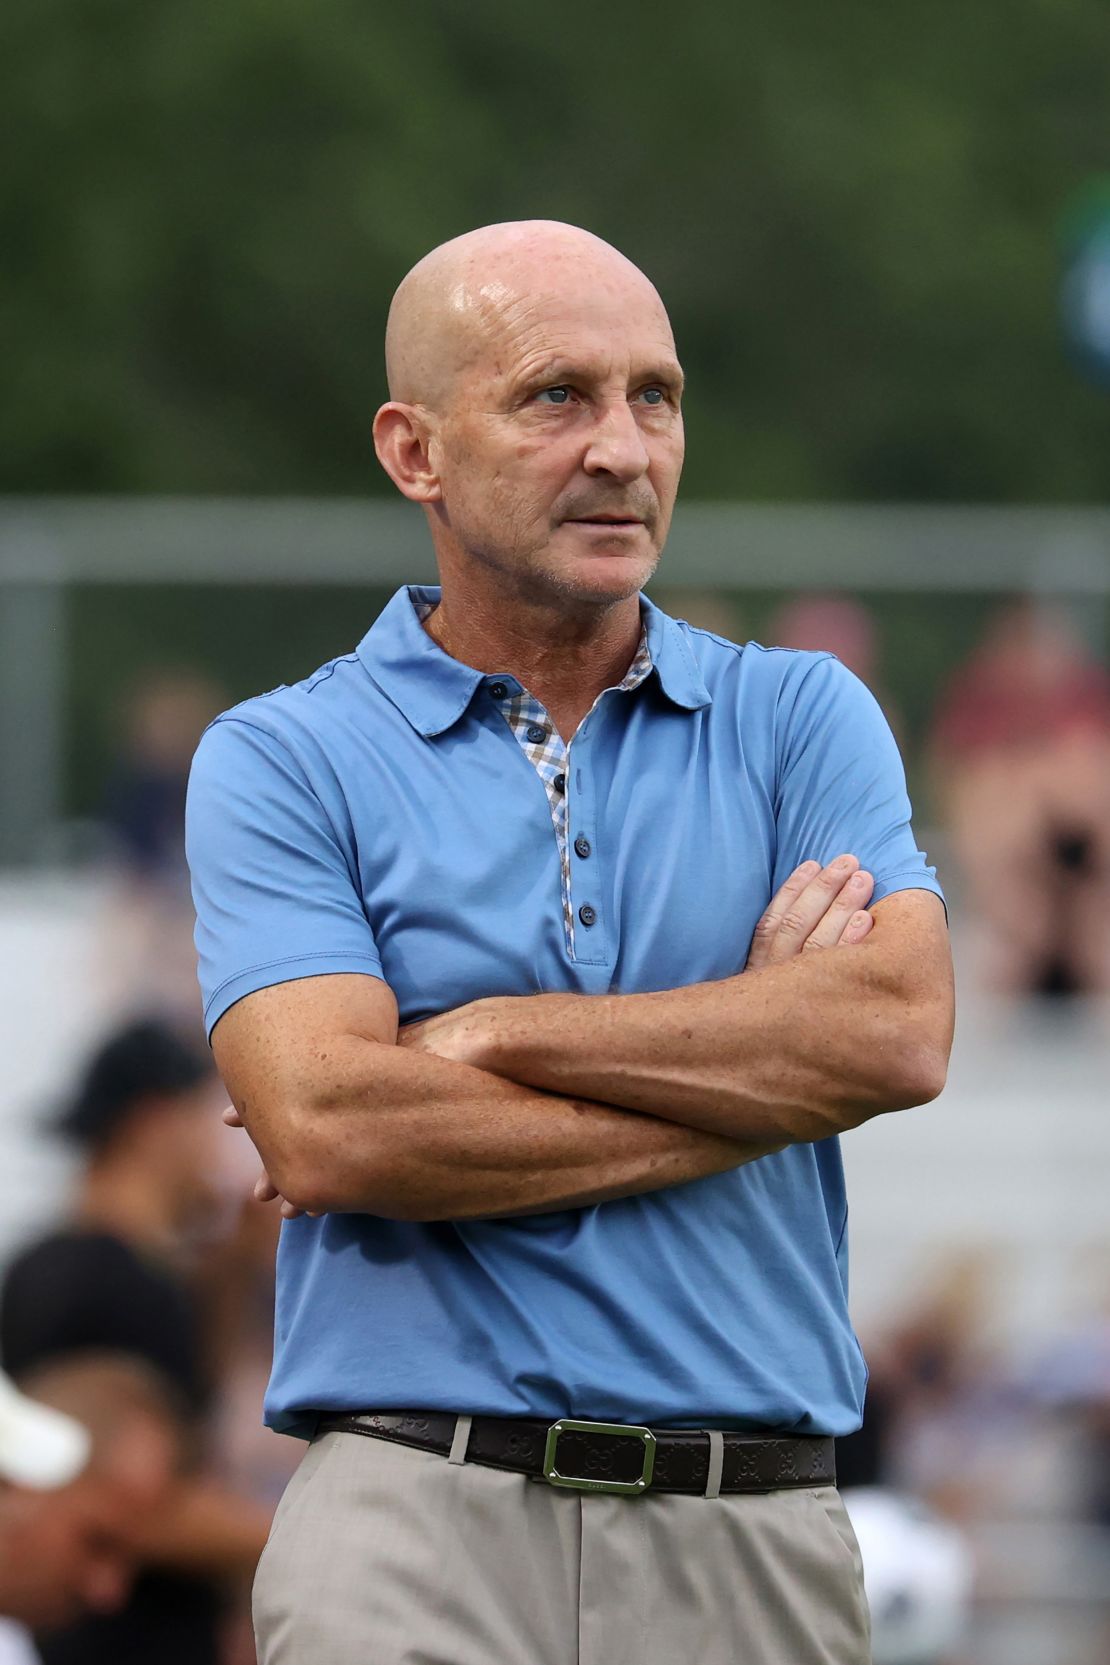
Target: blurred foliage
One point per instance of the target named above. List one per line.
(851, 210)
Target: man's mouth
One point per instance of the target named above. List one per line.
(606, 520)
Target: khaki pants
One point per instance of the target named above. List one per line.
(382, 1555)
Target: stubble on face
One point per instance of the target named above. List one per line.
(471, 328)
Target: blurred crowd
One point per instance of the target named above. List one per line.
(145, 1311)
(1013, 783)
(1015, 771)
(161, 1267)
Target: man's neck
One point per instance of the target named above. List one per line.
(564, 656)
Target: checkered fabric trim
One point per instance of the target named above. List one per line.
(543, 746)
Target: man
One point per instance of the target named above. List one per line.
(593, 1174)
(119, 1276)
(87, 1461)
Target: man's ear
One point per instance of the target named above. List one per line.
(403, 441)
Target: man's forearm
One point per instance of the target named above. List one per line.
(417, 1137)
(791, 1053)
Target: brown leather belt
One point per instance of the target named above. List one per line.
(604, 1456)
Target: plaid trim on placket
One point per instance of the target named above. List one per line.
(550, 758)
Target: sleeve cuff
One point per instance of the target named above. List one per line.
(234, 989)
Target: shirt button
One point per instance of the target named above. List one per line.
(582, 846)
(587, 914)
(536, 733)
(560, 783)
(497, 690)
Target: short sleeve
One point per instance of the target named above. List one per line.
(274, 889)
(841, 785)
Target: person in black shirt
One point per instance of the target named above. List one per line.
(118, 1279)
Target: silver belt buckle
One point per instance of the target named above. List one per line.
(580, 1482)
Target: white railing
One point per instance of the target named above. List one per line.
(49, 545)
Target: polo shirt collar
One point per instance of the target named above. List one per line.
(432, 690)
(675, 665)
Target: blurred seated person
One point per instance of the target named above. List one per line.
(88, 1462)
(148, 935)
(123, 1275)
(1021, 759)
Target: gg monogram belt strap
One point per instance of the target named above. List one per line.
(604, 1456)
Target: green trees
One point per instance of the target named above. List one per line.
(851, 211)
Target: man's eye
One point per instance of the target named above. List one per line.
(554, 395)
(653, 395)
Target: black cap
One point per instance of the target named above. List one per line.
(144, 1060)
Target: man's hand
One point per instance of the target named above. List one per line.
(817, 907)
(264, 1190)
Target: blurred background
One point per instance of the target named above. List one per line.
(883, 235)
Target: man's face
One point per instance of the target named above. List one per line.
(560, 446)
(77, 1550)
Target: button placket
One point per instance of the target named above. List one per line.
(584, 872)
(533, 731)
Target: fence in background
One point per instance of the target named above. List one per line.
(49, 545)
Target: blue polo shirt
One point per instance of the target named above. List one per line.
(381, 817)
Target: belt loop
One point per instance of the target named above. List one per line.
(716, 1462)
(460, 1440)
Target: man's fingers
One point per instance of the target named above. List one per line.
(856, 929)
(266, 1191)
(810, 906)
(232, 1118)
(767, 929)
(817, 907)
(844, 907)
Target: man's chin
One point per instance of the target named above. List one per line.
(605, 574)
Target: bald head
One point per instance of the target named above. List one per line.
(535, 413)
(451, 307)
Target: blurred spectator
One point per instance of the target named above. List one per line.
(935, 1390)
(124, 1275)
(918, 1576)
(144, 802)
(840, 625)
(1073, 1379)
(148, 936)
(1021, 755)
(77, 1496)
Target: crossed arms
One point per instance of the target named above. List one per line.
(529, 1104)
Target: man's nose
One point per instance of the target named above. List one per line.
(616, 444)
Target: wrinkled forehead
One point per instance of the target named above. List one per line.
(512, 323)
